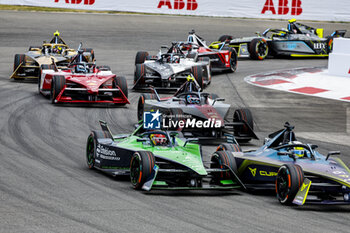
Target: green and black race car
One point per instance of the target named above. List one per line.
(160, 160)
(298, 40)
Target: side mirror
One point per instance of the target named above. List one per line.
(314, 147)
(288, 153)
(218, 99)
(141, 140)
(332, 153)
(191, 140)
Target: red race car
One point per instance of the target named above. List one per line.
(82, 82)
(222, 58)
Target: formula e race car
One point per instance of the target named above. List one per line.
(82, 82)
(198, 114)
(159, 160)
(169, 69)
(28, 65)
(222, 57)
(298, 40)
(297, 172)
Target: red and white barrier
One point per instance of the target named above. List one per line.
(277, 9)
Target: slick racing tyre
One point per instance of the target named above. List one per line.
(233, 60)
(141, 166)
(141, 57)
(91, 147)
(19, 59)
(225, 38)
(141, 104)
(92, 54)
(258, 49)
(289, 179)
(222, 160)
(243, 115)
(57, 84)
(44, 67)
(139, 75)
(229, 147)
(206, 72)
(197, 73)
(120, 82)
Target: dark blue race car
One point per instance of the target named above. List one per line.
(297, 171)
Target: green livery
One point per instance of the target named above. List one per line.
(160, 159)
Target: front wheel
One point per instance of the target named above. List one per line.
(233, 60)
(197, 73)
(222, 160)
(141, 166)
(258, 49)
(141, 104)
(57, 84)
(90, 151)
(288, 181)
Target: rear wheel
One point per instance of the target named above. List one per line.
(229, 147)
(141, 166)
(243, 115)
(258, 49)
(197, 72)
(222, 160)
(225, 38)
(139, 76)
(141, 57)
(120, 81)
(19, 59)
(57, 84)
(289, 179)
(141, 103)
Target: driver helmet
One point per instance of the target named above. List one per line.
(192, 99)
(158, 139)
(57, 49)
(80, 68)
(298, 151)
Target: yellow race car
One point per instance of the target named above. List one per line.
(56, 51)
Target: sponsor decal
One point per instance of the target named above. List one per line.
(151, 120)
(105, 153)
(283, 7)
(261, 172)
(155, 120)
(265, 173)
(253, 171)
(190, 5)
(320, 45)
(85, 2)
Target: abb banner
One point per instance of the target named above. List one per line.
(278, 9)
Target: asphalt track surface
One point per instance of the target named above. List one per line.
(45, 185)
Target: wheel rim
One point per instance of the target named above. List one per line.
(282, 184)
(135, 170)
(261, 49)
(233, 63)
(90, 153)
